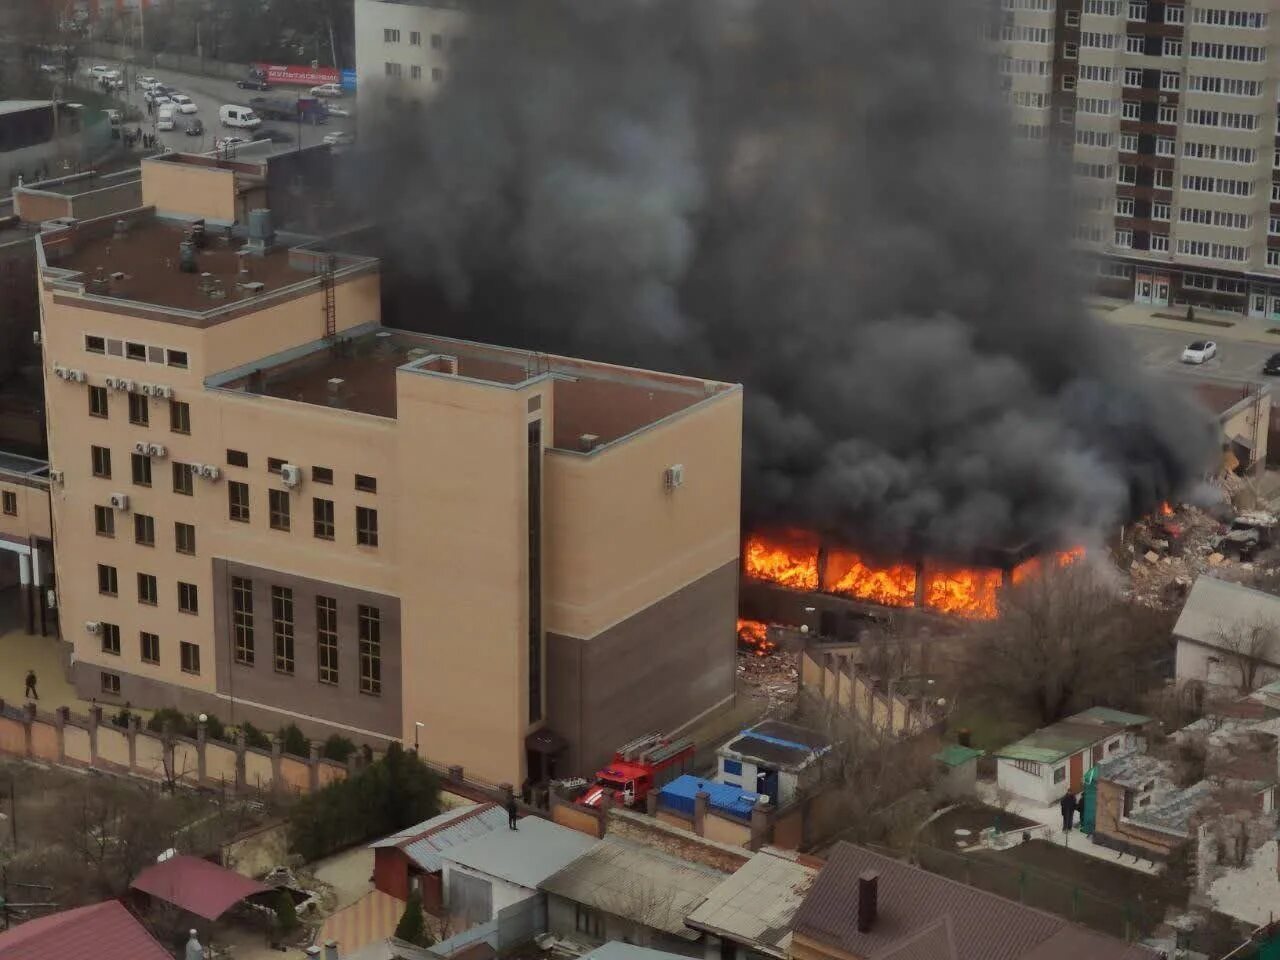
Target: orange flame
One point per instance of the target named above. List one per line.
(1031, 568)
(893, 586)
(964, 592)
(754, 637)
(1166, 509)
(792, 562)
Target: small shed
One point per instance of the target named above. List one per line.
(957, 768)
(196, 886)
(774, 758)
(1052, 761)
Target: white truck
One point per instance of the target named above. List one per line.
(230, 115)
(164, 116)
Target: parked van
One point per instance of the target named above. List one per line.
(164, 116)
(231, 115)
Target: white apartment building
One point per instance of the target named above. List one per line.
(402, 51)
(1169, 112)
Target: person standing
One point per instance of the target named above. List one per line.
(1067, 805)
(30, 690)
(512, 810)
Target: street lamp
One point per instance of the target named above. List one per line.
(417, 728)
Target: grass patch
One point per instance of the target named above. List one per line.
(1202, 321)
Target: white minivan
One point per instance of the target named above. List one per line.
(164, 116)
(230, 115)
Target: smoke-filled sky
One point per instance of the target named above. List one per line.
(816, 198)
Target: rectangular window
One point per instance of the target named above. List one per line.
(1071, 18)
(147, 591)
(135, 351)
(242, 619)
(100, 457)
(1132, 77)
(141, 464)
(98, 402)
(415, 72)
(1159, 211)
(10, 503)
(150, 644)
(1128, 143)
(95, 344)
(110, 683)
(1135, 43)
(190, 657)
(182, 479)
(393, 69)
(139, 415)
(1070, 51)
(327, 638)
(275, 464)
(188, 598)
(437, 42)
(1170, 81)
(237, 458)
(155, 354)
(1124, 238)
(321, 475)
(176, 358)
(184, 537)
(1137, 11)
(322, 518)
(278, 501)
(144, 530)
(367, 526)
(238, 501)
(436, 74)
(1132, 110)
(1167, 115)
(111, 639)
(1163, 179)
(415, 38)
(104, 521)
(282, 628)
(370, 636)
(1164, 146)
(107, 580)
(1174, 13)
(1172, 47)
(1126, 173)
(366, 484)
(1273, 256)
(1160, 242)
(1124, 206)
(390, 35)
(179, 416)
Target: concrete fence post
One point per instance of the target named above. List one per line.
(202, 741)
(313, 766)
(891, 687)
(651, 803)
(855, 687)
(277, 759)
(761, 821)
(168, 763)
(826, 666)
(456, 774)
(240, 748)
(700, 801)
(60, 717)
(28, 719)
(95, 721)
(131, 732)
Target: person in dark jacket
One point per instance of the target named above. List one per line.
(1068, 807)
(512, 810)
(30, 690)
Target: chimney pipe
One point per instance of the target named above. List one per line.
(868, 887)
(331, 950)
(964, 737)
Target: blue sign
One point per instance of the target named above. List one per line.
(348, 79)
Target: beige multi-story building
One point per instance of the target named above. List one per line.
(267, 506)
(402, 52)
(1168, 111)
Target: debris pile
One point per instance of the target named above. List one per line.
(773, 676)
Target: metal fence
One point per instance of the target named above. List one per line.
(1105, 913)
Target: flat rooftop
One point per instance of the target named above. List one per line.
(77, 184)
(18, 106)
(143, 264)
(605, 401)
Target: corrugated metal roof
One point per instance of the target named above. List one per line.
(196, 885)
(1108, 715)
(756, 904)
(423, 842)
(1061, 739)
(101, 931)
(1214, 605)
(636, 882)
(525, 856)
(954, 754)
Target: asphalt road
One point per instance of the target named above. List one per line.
(210, 93)
(1162, 350)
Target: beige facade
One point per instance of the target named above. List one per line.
(388, 525)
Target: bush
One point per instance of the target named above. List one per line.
(253, 737)
(214, 728)
(122, 717)
(412, 927)
(338, 748)
(286, 913)
(294, 741)
(181, 724)
(397, 791)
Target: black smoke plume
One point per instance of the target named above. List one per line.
(819, 199)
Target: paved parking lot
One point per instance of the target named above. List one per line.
(1236, 359)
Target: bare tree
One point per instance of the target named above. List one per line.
(1250, 646)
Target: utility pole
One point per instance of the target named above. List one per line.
(333, 47)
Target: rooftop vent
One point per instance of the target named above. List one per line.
(252, 288)
(198, 236)
(262, 236)
(588, 441)
(335, 384)
(334, 396)
(868, 895)
(121, 228)
(187, 257)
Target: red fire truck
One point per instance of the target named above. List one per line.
(644, 764)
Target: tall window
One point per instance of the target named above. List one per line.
(107, 583)
(101, 459)
(370, 636)
(322, 516)
(147, 592)
(535, 570)
(183, 481)
(238, 500)
(141, 469)
(97, 401)
(179, 416)
(242, 619)
(150, 644)
(104, 521)
(110, 683)
(188, 598)
(184, 537)
(139, 414)
(282, 628)
(279, 503)
(111, 639)
(10, 503)
(327, 638)
(190, 657)
(144, 530)
(367, 526)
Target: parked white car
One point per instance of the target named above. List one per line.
(225, 143)
(99, 70)
(1200, 351)
(327, 90)
(184, 103)
(144, 83)
(338, 138)
(335, 110)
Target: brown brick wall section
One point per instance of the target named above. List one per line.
(676, 842)
(1110, 799)
(35, 208)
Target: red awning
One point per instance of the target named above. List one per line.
(197, 886)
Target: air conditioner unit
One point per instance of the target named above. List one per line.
(77, 376)
(51, 598)
(673, 476)
(114, 383)
(160, 390)
(140, 448)
(119, 501)
(60, 371)
(210, 472)
(35, 337)
(128, 385)
(92, 626)
(55, 476)
(146, 389)
(156, 450)
(290, 475)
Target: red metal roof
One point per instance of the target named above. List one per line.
(102, 931)
(197, 886)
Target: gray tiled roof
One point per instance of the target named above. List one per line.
(526, 856)
(1214, 605)
(756, 904)
(424, 842)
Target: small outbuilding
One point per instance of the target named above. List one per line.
(773, 758)
(957, 769)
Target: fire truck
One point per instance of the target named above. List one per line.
(644, 764)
